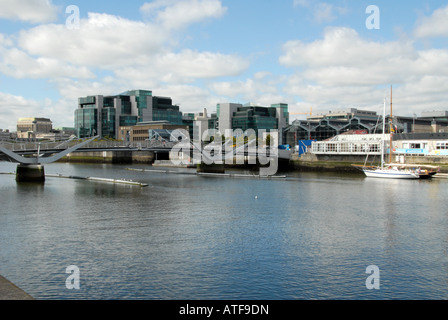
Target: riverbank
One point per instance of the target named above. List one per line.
(305, 163)
(324, 166)
(344, 164)
(339, 167)
(9, 291)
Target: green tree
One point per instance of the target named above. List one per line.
(268, 140)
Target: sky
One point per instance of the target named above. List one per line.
(316, 56)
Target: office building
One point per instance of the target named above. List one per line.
(104, 115)
(33, 128)
(251, 116)
(188, 119)
(200, 126)
(149, 131)
(163, 109)
(6, 135)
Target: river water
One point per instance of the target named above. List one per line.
(309, 236)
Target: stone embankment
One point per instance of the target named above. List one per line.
(9, 291)
(344, 164)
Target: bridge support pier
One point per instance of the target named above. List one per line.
(30, 173)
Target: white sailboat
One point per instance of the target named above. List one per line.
(390, 171)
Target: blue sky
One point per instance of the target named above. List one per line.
(309, 54)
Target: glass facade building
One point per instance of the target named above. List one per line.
(256, 118)
(233, 116)
(103, 115)
(163, 109)
(86, 121)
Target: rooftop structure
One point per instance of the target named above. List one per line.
(326, 126)
(345, 115)
(435, 115)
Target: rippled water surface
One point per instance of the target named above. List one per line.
(310, 236)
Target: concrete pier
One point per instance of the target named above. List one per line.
(30, 173)
(211, 168)
(9, 291)
(117, 157)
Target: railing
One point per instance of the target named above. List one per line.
(346, 148)
(62, 145)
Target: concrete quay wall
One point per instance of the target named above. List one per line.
(305, 162)
(9, 291)
(343, 163)
(141, 156)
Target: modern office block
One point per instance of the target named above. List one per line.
(104, 115)
(234, 116)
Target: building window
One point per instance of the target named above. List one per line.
(441, 145)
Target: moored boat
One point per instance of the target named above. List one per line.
(396, 170)
(390, 172)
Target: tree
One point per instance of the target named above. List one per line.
(268, 140)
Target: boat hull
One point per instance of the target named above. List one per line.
(390, 174)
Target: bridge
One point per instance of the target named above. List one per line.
(31, 156)
(30, 160)
(47, 152)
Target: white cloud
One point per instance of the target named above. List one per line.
(341, 47)
(433, 26)
(343, 69)
(128, 54)
(103, 41)
(342, 57)
(17, 64)
(322, 12)
(33, 11)
(72, 89)
(302, 3)
(179, 14)
(193, 64)
(181, 68)
(5, 41)
(145, 49)
(262, 89)
(190, 98)
(14, 107)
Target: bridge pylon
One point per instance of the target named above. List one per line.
(31, 169)
(30, 173)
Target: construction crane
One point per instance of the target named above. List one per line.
(302, 113)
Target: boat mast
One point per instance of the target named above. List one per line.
(391, 127)
(383, 140)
